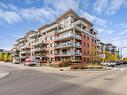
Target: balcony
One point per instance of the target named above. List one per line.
(22, 40)
(24, 52)
(68, 36)
(68, 44)
(16, 54)
(23, 57)
(39, 55)
(74, 26)
(69, 54)
(25, 46)
(38, 49)
(38, 42)
(34, 35)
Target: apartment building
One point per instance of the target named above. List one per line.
(70, 37)
(102, 47)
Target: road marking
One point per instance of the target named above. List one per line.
(115, 68)
(122, 69)
(4, 74)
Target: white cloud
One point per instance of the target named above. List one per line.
(3, 5)
(109, 7)
(100, 5)
(12, 7)
(46, 13)
(63, 5)
(29, 1)
(123, 32)
(92, 18)
(114, 6)
(37, 14)
(105, 31)
(10, 16)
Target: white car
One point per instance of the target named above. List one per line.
(16, 62)
(113, 63)
(108, 64)
(30, 62)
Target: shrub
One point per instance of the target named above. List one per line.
(64, 64)
(98, 67)
(54, 65)
(85, 66)
(79, 66)
(74, 67)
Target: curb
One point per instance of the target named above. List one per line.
(2, 75)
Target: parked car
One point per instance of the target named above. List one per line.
(30, 62)
(16, 62)
(110, 64)
(124, 62)
(119, 62)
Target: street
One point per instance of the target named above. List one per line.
(31, 82)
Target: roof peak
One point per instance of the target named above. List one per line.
(67, 13)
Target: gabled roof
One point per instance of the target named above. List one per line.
(67, 13)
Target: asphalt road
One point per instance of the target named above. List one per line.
(30, 82)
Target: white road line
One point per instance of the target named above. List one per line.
(122, 69)
(115, 68)
(4, 74)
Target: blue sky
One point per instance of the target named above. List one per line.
(20, 16)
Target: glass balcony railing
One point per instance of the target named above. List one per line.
(68, 36)
(23, 57)
(38, 49)
(69, 54)
(74, 25)
(68, 44)
(24, 51)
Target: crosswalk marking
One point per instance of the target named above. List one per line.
(121, 69)
(115, 68)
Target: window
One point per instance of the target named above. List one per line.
(50, 37)
(51, 52)
(84, 36)
(51, 45)
(84, 59)
(87, 37)
(88, 52)
(87, 59)
(84, 44)
(92, 40)
(87, 45)
(84, 52)
(46, 39)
